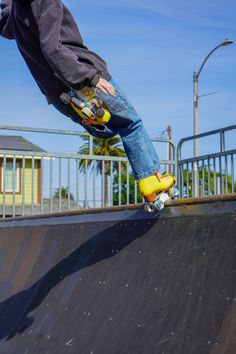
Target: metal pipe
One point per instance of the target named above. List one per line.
(23, 188)
(14, 188)
(4, 186)
(60, 184)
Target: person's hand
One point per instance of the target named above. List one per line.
(106, 87)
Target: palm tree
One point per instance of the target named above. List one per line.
(64, 192)
(102, 147)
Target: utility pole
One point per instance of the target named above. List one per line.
(169, 154)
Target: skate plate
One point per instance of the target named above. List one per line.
(159, 203)
(89, 107)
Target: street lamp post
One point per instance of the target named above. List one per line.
(196, 75)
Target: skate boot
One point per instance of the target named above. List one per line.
(87, 105)
(157, 190)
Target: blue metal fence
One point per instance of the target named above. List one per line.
(47, 182)
(214, 172)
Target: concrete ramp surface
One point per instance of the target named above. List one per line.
(121, 281)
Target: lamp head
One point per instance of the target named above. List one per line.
(227, 42)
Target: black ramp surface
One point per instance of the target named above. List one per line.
(120, 282)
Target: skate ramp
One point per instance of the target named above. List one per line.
(120, 281)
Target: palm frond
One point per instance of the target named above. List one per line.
(101, 147)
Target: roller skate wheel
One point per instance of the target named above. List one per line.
(149, 207)
(65, 98)
(97, 102)
(174, 192)
(159, 204)
(100, 112)
(87, 113)
(78, 103)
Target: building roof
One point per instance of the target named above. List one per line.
(18, 143)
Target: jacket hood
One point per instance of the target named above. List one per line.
(5, 11)
(5, 5)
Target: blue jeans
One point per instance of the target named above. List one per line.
(126, 122)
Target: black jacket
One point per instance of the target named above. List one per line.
(51, 44)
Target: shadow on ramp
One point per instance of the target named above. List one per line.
(106, 244)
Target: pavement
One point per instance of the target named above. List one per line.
(121, 281)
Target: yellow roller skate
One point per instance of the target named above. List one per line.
(87, 105)
(157, 190)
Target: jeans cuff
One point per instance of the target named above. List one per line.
(147, 173)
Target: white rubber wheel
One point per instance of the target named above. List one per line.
(159, 204)
(149, 207)
(87, 113)
(78, 103)
(174, 193)
(65, 98)
(97, 102)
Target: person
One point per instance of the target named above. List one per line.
(50, 42)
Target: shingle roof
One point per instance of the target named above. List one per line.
(18, 143)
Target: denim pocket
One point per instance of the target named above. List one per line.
(115, 104)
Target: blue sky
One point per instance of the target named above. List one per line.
(152, 48)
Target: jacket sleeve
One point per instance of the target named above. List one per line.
(62, 60)
(5, 7)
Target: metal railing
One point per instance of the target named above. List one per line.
(215, 171)
(45, 182)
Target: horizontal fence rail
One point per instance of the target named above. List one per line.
(42, 182)
(215, 172)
